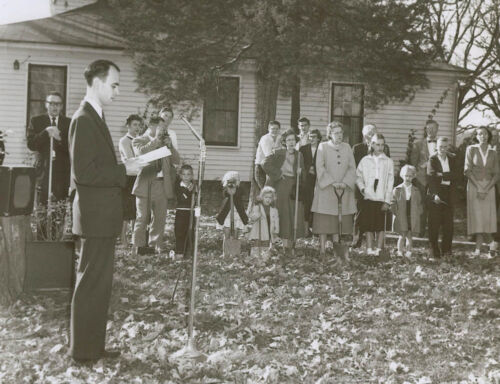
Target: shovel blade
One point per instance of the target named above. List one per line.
(341, 251)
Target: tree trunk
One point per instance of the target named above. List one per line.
(295, 112)
(267, 98)
(14, 232)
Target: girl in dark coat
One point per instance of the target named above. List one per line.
(230, 184)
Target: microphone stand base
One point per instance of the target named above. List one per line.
(189, 352)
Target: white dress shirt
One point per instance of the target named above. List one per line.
(94, 105)
(431, 147)
(445, 164)
(266, 146)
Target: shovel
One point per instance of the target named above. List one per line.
(340, 250)
(296, 211)
(232, 245)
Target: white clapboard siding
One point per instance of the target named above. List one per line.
(13, 101)
(394, 120)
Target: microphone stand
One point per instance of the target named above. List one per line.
(190, 351)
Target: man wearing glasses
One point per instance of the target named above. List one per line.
(41, 129)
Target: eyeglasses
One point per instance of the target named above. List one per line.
(53, 103)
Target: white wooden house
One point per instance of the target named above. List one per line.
(50, 54)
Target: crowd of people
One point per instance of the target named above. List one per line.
(308, 185)
(354, 188)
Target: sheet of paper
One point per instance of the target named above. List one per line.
(159, 153)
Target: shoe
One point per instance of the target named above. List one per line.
(408, 253)
(370, 252)
(377, 251)
(399, 254)
(476, 252)
(110, 354)
(171, 254)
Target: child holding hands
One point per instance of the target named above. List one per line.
(407, 206)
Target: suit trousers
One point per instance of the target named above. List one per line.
(441, 219)
(158, 205)
(183, 244)
(89, 306)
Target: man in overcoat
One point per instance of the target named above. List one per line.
(96, 183)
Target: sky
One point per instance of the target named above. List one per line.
(20, 10)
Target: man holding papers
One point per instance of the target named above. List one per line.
(154, 185)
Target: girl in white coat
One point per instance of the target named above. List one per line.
(264, 218)
(375, 179)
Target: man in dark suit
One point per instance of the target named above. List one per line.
(421, 151)
(41, 129)
(96, 181)
(360, 150)
(442, 174)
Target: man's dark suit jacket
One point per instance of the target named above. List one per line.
(435, 175)
(96, 176)
(39, 141)
(360, 150)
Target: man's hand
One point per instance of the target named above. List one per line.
(385, 207)
(53, 132)
(134, 165)
(437, 199)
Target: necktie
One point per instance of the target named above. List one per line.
(54, 122)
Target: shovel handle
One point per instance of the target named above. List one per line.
(339, 200)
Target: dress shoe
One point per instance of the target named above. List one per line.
(110, 353)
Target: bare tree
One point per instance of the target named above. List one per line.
(467, 33)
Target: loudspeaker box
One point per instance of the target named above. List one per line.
(17, 190)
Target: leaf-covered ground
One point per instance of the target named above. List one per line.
(281, 320)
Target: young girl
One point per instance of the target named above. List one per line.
(264, 218)
(407, 207)
(230, 184)
(183, 190)
(375, 179)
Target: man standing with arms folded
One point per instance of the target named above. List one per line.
(267, 144)
(43, 127)
(419, 158)
(96, 182)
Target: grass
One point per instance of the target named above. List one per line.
(286, 319)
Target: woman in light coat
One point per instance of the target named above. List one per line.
(336, 171)
(375, 180)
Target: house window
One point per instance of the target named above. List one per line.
(347, 108)
(43, 79)
(220, 113)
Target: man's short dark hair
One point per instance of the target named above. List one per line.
(185, 167)
(274, 122)
(54, 93)
(98, 68)
(134, 117)
(155, 120)
(304, 120)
